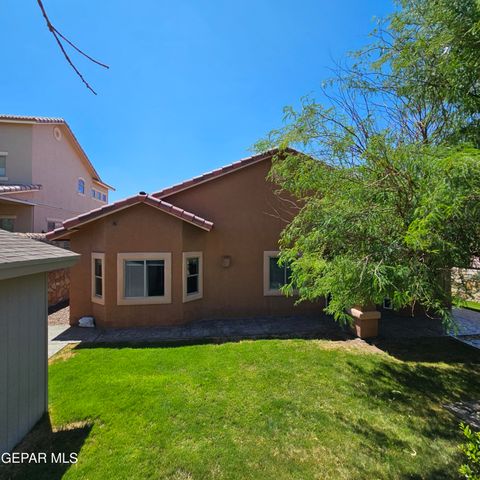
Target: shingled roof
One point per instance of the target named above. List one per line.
(21, 256)
(141, 198)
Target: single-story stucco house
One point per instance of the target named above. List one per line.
(205, 248)
(23, 332)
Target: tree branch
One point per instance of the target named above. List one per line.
(58, 38)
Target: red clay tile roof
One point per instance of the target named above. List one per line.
(19, 187)
(233, 167)
(105, 210)
(57, 121)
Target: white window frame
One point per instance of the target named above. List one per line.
(197, 295)
(96, 298)
(123, 257)
(84, 186)
(97, 193)
(4, 178)
(54, 220)
(267, 291)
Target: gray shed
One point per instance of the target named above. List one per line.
(23, 332)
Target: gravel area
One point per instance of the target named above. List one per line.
(60, 317)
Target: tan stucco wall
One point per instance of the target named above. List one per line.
(57, 166)
(23, 215)
(138, 229)
(35, 156)
(241, 205)
(244, 210)
(16, 139)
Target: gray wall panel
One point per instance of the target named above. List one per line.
(23, 356)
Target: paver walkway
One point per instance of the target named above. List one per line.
(468, 322)
(324, 327)
(203, 331)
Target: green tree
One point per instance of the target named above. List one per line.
(388, 185)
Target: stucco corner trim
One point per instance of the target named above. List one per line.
(198, 295)
(123, 257)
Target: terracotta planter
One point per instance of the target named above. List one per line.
(365, 321)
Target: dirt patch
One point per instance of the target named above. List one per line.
(64, 354)
(355, 344)
(60, 317)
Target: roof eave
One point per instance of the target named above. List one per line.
(23, 268)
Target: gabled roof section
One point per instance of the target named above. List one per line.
(72, 224)
(19, 187)
(57, 121)
(231, 168)
(23, 256)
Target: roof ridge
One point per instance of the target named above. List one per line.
(104, 210)
(218, 172)
(57, 121)
(32, 118)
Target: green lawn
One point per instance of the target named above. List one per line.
(278, 409)
(471, 305)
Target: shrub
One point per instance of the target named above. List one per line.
(471, 449)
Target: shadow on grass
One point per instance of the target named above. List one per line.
(58, 446)
(428, 349)
(175, 343)
(420, 390)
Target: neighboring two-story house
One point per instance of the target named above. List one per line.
(45, 175)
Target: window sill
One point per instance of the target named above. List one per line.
(143, 300)
(192, 296)
(273, 293)
(279, 293)
(98, 300)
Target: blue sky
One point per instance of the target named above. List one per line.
(192, 84)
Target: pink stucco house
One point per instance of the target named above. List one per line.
(45, 175)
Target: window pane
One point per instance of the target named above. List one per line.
(288, 274)
(192, 284)
(7, 224)
(277, 274)
(192, 266)
(3, 165)
(98, 287)
(104, 197)
(134, 278)
(155, 278)
(98, 267)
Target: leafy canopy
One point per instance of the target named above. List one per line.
(388, 184)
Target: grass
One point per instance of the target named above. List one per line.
(469, 304)
(273, 409)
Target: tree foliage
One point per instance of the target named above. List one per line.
(388, 181)
(471, 451)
